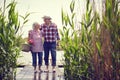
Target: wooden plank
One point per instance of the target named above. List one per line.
(27, 73)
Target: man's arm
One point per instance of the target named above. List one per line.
(57, 34)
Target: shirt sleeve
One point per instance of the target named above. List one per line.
(30, 35)
(42, 30)
(57, 34)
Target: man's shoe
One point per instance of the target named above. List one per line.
(54, 70)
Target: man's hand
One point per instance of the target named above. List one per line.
(58, 42)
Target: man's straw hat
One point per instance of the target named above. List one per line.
(46, 17)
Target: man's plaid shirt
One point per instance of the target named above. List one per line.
(50, 33)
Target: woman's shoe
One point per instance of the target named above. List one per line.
(40, 69)
(35, 71)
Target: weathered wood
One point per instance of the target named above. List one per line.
(27, 73)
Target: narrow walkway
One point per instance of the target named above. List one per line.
(27, 73)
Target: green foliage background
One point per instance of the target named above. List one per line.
(10, 40)
(92, 49)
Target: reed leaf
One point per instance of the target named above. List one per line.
(72, 5)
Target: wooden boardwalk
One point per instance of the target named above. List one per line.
(27, 73)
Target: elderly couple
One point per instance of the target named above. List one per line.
(49, 32)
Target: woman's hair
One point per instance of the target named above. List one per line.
(34, 24)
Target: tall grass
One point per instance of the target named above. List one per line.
(92, 49)
(112, 55)
(75, 43)
(9, 41)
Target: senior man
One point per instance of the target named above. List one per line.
(50, 34)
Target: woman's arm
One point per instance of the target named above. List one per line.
(30, 40)
(29, 35)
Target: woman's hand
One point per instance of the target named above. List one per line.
(30, 42)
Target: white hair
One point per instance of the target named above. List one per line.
(34, 24)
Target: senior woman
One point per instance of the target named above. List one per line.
(35, 39)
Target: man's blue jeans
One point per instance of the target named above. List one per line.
(50, 47)
(34, 58)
